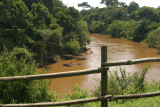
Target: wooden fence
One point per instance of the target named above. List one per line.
(104, 98)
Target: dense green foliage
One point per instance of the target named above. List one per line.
(153, 38)
(27, 91)
(47, 29)
(124, 21)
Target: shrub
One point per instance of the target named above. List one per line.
(26, 91)
(153, 38)
(77, 94)
(125, 83)
(73, 46)
(22, 52)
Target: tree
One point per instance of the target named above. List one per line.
(133, 6)
(49, 45)
(115, 28)
(41, 15)
(84, 5)
(71, 11)
(148, 13)
(141, 30)
(122, 4)
(97, 27)
(153, 38)
(110, 2)
(14, 13)
(112, 13)
(50, 4)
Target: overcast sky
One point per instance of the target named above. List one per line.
(96, 3)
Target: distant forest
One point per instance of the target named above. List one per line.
(124, 21)
(41, 30)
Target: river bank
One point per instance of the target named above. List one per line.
(118, 49)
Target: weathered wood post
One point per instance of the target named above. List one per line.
(104, 103)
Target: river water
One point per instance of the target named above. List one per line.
(118, 49)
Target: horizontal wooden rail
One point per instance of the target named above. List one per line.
(135, 96)
(131, 62)
(79, 101)
(52, 75)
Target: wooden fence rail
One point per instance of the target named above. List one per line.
(131, 62)
(135, 96)
(103, 70)
(52, 75)
(86, 100)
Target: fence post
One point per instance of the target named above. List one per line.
(104, 103)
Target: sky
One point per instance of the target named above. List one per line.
(96, 3)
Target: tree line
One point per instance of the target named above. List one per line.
(140, 24)
(45, 29)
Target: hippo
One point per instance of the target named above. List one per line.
(79, 63)
(68, 65)
(81, 58)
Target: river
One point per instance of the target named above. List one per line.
(118, 49)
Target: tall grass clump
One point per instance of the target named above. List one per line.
(26, 91)
(121, 83)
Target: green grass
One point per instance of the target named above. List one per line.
(141, 102)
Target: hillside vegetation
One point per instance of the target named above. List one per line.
(43, 28)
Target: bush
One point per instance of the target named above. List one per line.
(97, 27)
(153, 38)
(115, 28)
(22, 52)
(77, 94)
(73, 46)
(122, 29)
(124, 84)
(26, 91)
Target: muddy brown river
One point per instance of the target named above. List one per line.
(118, 49)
